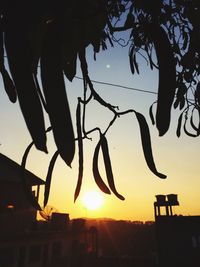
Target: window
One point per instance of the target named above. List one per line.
(10, 206)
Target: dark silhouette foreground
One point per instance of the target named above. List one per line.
(54, 36)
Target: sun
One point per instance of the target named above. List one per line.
(92, 200)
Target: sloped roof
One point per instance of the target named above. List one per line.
(10, 171)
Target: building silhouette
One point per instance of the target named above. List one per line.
(178, 237)
(27, 242)
(60, 242)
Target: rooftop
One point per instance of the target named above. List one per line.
(10, 171)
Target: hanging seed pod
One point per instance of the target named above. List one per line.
(146, 145)
(167, 76)
(55, 94)
(19, 60)
(49, 177)
(108, 167)
(95, 168)
(151, 114)
(80, 151)
(29, 195)
(69, 48)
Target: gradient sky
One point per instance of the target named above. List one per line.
(178, 158)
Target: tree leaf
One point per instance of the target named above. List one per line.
(197, 93)
(9, 86)
(108, 167)
(151, 114)
(131, 52)
(185, 40)
(8, 83)
(49, 176)
(1, 45)
(187, 132)
(197, 129)
(176, 103)
(178, 130)
(146, 144)
(182, 102)
(130, 19)
(192, 122)
(135, 64)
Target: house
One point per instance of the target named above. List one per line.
(27, 242)
(178, 237)
(16, 211)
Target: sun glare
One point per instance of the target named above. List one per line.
(92, 200)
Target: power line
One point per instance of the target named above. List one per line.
(120, 86)
(116, 85)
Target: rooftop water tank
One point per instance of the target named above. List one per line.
(161, 200)
(172, 199)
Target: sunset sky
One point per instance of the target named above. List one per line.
(178, 158)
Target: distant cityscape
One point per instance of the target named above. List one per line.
(58, 241)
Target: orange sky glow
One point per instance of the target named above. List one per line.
(178, 158)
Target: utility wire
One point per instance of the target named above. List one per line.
(120, 86)
(115, 85)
